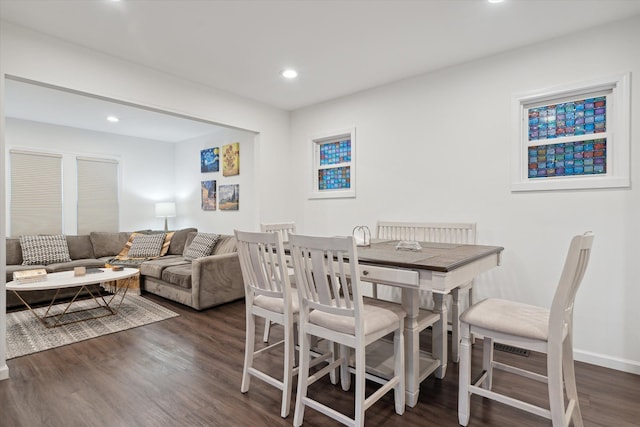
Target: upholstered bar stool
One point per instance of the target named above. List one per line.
(331, 310)
(268, 294)
(533, 328)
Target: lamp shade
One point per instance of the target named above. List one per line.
(165, 209)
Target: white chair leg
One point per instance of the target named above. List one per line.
(464, 377)
(249, 348)
(487, 361)
(267, 327)
(360, 384)
(345, 375)
(334, 375)
(287, 378)
(555, 385)
(303, 378)
(398, 369)
(570, 381)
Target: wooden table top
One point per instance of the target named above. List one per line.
(443, 257)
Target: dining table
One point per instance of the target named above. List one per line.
(436, 267)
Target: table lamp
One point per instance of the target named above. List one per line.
(165, 210)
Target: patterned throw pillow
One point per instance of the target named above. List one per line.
(124, 253)
(146, 246)
(201, 246)
(43, 250)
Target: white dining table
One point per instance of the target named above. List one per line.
(436, 267)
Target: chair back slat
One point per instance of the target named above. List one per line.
(263, 264)
(575, 266)
(324, 267)
(427, 231)
(283, 228)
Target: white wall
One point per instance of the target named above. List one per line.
(146, 167)
(33, 56)
(188, 178)
(438, 148)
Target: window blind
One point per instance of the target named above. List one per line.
(98, 208)
(36, 193)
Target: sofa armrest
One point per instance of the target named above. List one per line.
(216, 279)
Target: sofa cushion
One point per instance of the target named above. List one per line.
(178, 275)
(14, 251)
(226, 245)
(108, 244)
(66, 266)
(201, 246)
(179, 239)
(146, 245)
(80, 247)
(44, 249)
(154, 267)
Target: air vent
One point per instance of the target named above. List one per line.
(511, 349)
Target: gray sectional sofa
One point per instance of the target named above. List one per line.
(202, 283)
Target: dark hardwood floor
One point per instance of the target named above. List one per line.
(186, 371)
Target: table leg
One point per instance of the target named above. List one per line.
(459, 295)
(440, 334)
(411, 302)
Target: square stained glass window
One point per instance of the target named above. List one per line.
(587, 157)
(334, 178)
(580, 117)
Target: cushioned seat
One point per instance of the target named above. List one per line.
(155, 267)
(510, 317)
(179, 275)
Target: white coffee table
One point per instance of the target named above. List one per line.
(67, 279)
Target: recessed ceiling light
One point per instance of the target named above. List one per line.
(113, 119)
(496, 1)
(289, 73)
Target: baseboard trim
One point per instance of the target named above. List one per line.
(4, 373)
(624, 365)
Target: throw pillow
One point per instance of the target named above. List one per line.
(201, 246)
(124, 253)
(43, 250)
(146, 246)
(166, 243)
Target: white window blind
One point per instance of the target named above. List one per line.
(36, 193)
(98, 208)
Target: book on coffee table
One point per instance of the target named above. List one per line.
(30, 276)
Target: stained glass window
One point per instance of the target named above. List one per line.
(580, 117)
(334, 165)
(568, 131)
(566, 159)
(573, 136)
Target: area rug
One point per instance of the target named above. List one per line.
(26, 335)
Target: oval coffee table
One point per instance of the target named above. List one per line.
(67, 279)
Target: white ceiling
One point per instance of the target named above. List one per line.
(338, 46)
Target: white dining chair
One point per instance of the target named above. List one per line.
(436, 232)
(268, 295)
(332, 309)
(284, 229)
(533, 328)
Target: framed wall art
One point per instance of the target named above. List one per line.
(210, 160)
(573, 137)
(229, 197)
(333, 159)
(208, 195)
(231, 159)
